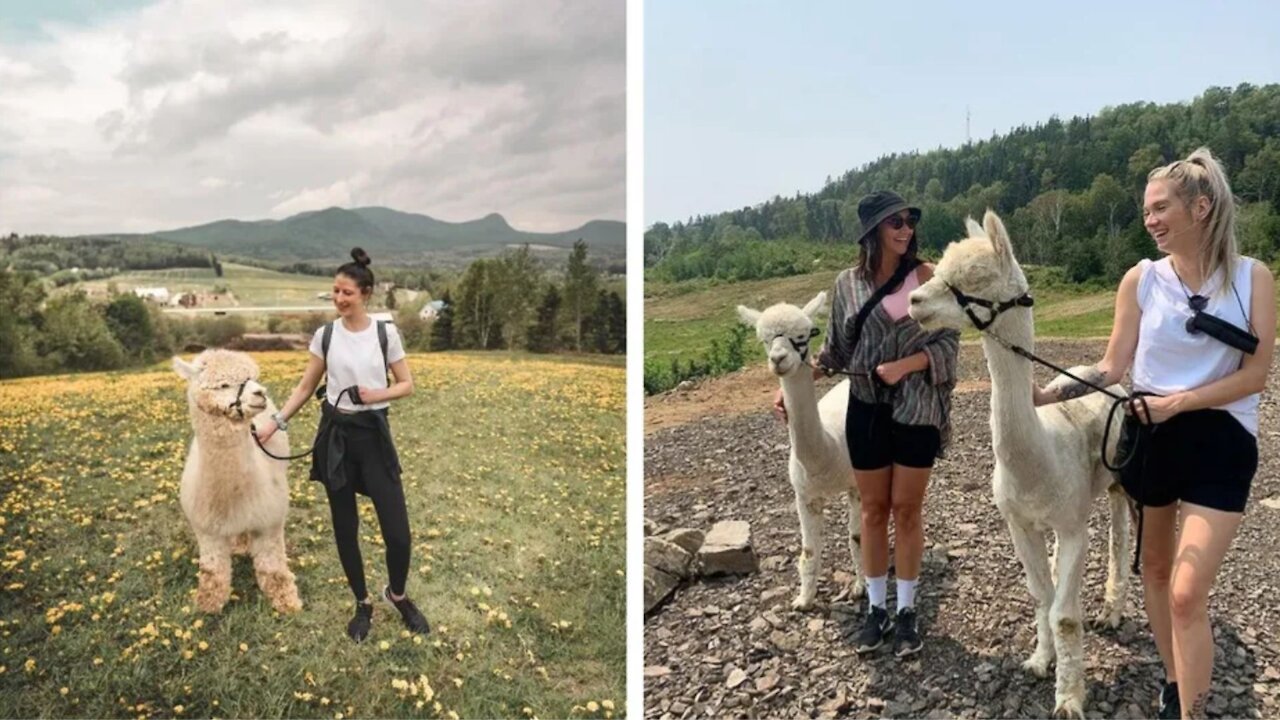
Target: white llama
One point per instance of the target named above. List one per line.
(234, 496)
(1048, 460)
(819, 466)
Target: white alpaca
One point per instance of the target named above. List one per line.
(234, 496)
(1048, 466)
(819, 465)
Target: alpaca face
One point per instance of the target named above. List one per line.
(981, 266)
(224, 384)
(786, 331)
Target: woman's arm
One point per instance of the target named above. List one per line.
(1252, 376)
(301, 393)
(403, 386)
(1120, 348)
(835, 351)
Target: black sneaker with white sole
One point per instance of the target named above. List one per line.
(1170, 706)
(874, 630)
(906, 633)
(413, 619)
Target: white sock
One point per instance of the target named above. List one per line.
(906, 593)
(877, 589)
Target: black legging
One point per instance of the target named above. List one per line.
(362, 465)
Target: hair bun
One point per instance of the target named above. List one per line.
(361, 257)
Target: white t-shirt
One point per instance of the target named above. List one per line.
(1168, 358)
(355, 358)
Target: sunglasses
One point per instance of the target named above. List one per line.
(897, 221)
(1198, 303)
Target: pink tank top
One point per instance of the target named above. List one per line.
(896, 303)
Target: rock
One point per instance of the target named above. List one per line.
(736, 678)
(768, 682)
(758, 625)
(667, 557)
(657, 586)
(787, 642)
(775, 597)
(688, 538)
(650, 527)
(1271, 502)
(657, 671)
(727, 549)
(816, 625)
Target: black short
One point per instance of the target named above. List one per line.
(877, 441)
(1205, 457)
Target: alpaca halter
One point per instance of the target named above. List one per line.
(994, 308)
(238, 405)
(802, 346)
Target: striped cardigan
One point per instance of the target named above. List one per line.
(920, 398)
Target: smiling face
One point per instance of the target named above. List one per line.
(894, 234)
(1171, 222)
(348, 298)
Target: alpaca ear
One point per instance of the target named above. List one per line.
(815, 305)
(748, 316)
(972, 227)
(184, 369)
(994, 227)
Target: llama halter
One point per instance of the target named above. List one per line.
(994, 308)
(801, 346)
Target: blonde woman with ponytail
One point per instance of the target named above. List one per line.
(1197, 329)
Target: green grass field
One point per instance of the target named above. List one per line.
(514, 471)
(251, 286)
(681, 319)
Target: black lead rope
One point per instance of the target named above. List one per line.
(355, 399)
(1135, 400)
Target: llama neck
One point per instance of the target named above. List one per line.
(1017, 434)
(809, 438)
(225, 447)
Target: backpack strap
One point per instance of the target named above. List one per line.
(899, 275)
(382, 342)
(325, 338)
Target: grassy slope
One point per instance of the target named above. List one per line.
(514, 474)
(681, 319)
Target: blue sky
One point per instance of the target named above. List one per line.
(26, 20)
(744, 101)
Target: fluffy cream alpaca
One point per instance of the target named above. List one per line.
(234, 496)
(1048, 467)
(819, 466)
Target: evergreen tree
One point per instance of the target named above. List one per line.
(543, 334)
(442, 327)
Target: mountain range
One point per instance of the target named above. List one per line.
(386, 234)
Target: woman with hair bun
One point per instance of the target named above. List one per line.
(354, 452)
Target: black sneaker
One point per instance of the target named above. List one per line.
(872, 634)
(1170, 707)
(358, 628)
(413, 619)
(906, 633)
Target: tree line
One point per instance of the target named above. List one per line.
(1070, 192)
(512, 302)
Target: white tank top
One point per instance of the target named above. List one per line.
(1169, 359)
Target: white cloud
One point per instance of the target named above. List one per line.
(190, 111)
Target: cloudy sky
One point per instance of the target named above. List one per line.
(156, 115)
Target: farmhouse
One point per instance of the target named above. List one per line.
(156, 294)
